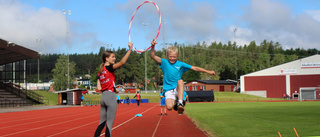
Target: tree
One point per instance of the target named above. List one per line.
(94, 76)
(60, 73)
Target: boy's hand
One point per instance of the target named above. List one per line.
(212, 72)
(153, 42)
(130, 45)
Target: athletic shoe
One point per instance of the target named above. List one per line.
(180, 109)
(175, 107)
(161, 114)
(165, 113)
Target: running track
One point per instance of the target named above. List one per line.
(82, 121)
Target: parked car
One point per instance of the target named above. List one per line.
(85, 91)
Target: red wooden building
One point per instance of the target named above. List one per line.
(283, 79)
(214, 85)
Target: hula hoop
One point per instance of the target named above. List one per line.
(140, 51)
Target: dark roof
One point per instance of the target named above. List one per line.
(11, 52)
(225, 82)
(84, 79)
(45, 80)
(70, 90)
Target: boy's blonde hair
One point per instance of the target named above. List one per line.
(173, 49)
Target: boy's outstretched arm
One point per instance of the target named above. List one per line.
(195, 68)
(153, 54)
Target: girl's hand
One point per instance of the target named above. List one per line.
(130, 45)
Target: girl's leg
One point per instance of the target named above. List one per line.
(111, 111)
(103, 117)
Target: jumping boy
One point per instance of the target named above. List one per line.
(173, 69)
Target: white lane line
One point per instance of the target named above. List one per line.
(33, 117)
(155, 130)
(46, 126)
(57, 117)
(85, 125)
(130, 119)
(72, 129)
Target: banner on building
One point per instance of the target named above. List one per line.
(305, 65)
(287, 71)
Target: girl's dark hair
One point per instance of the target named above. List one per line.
(105, 55)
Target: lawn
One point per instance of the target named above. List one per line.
(219, 96)
(52, 97)
(256, 119)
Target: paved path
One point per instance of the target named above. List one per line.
(29, 108)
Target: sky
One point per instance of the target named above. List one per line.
(41, 25)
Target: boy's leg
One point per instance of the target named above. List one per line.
(170, 104)
(180, 96)
(180, 90)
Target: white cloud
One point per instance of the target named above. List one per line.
(185, 21)
(22, 25)
(314, 13)
(274, 21)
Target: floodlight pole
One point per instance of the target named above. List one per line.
(164, 22)
(67, 35)
(145, 55)
(38, 41)
(235, 39)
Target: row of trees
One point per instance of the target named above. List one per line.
(228, 60)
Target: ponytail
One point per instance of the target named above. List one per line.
(105, 55)
(101, 69)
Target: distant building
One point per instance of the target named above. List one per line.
(286, 78)
(215, 85)
(84, 81)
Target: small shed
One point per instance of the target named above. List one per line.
(130, 90)
(69, 97)
(215, 85)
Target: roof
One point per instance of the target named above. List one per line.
(294, 67)
(225, 82)
(70, 90)
(11, 52)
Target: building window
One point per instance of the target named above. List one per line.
(203, 87)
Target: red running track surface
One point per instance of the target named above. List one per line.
(82, 121)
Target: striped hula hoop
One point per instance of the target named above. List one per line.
(140, 51)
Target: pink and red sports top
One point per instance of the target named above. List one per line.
(107, 79)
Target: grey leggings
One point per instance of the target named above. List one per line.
(108, 112)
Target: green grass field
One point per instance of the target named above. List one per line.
(257, 119)
(52, 97)
(219, 96)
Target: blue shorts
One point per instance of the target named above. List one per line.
(163, 101)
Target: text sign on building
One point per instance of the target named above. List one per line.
(288, 71)
(194, 83)
(310, 65)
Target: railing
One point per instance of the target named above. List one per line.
(15, 103)
(23, 93)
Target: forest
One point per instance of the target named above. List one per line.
(227, 60)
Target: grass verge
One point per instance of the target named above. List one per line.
(52, 97)
(252, 119)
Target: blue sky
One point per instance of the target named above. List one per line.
(96, 23)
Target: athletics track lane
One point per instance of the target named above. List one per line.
(82, 121)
